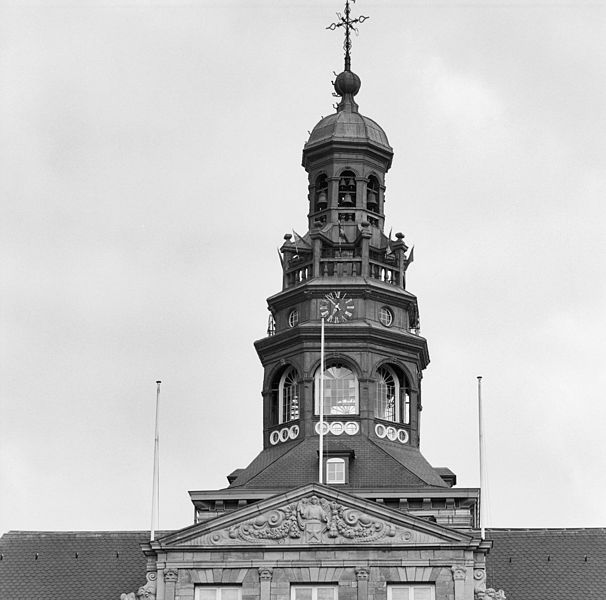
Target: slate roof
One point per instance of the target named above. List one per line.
(529, 564)
(548, 564)
(348, 126)
(377, 464)
(49, 565)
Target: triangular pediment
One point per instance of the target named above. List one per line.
(311, 515)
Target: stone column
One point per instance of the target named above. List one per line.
(170, 583)
(362, 577)
(366, 235)
(265, 575)
(458, 574)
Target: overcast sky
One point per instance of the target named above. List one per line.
(149, 166)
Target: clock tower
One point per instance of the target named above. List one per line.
(383, 524)
(347, 271)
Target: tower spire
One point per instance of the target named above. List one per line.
(349, 25)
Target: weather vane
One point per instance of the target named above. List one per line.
(349, 24)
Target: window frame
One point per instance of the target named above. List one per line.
(336, 460)
(402, 394)
(412, 587)
(314, 588)
(289, 371)
(356, 387)
(218, 588)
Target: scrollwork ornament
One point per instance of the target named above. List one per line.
(146, 592)
(312, 520)
(362, 574)
(458, 573)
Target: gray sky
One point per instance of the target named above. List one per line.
(149, 166)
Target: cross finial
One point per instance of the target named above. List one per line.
(349, 24)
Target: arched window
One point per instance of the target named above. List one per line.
(340, 390)
(321, 193)
(372, 194)
(393, 395)
(335, 470)
(347, 189)
(285, 397)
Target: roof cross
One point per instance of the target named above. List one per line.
(349, 24)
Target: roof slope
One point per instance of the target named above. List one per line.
(71, 565)
(374, 466)
(554, 564)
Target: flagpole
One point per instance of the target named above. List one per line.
(156, 478)
(321, 403)
(481, 444)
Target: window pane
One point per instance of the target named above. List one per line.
(229, 594)
(303, 593)
(340, 391)
(422, 593)
(399, 593)
(205, 593)
(387, 398)
(326, 593)
(335, 471)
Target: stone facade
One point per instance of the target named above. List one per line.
(317, 535)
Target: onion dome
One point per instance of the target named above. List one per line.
(347, 124)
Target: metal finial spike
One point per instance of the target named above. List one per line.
(349, 24)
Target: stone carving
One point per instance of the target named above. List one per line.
(311, 520)
(170, 575)
(148, 591)
(489, 594)
(362, 574)
(458, 573)
(265, 574)
(479, 588)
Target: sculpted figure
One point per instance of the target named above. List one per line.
(313, 511)
(312, 518)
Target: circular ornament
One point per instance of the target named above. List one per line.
(403, 436)
(293, 318)
(325, 429)
(293, 433)
(337, 428)
(392, 434)
(351, 428)
(385, 316)
(380, 430)
(283, 434)
(274, 437)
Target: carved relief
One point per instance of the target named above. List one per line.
(147, 592)
(265, 574)
(458, 573)
(491, 594)
(170, 575)
(479, 589)
(362, 574)
(311, 520)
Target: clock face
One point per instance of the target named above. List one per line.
(336, 307)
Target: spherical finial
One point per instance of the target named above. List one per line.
(347, 82)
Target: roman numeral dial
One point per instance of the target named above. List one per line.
(337, 307)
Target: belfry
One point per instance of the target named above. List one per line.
(340, 504)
